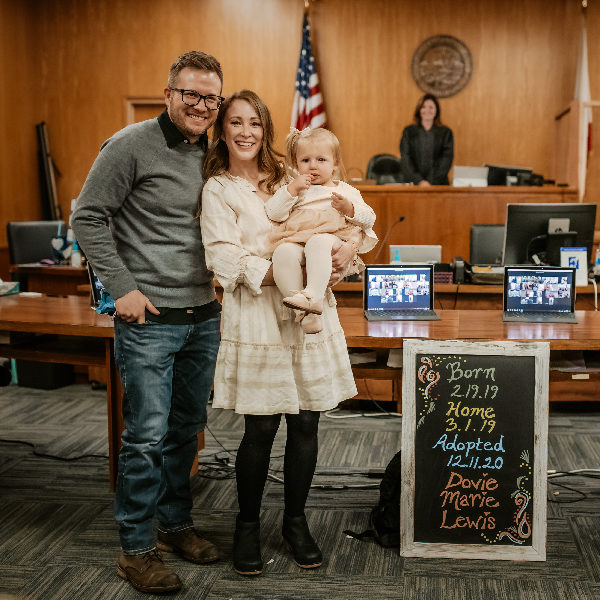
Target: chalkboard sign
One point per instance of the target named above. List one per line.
(474, 450)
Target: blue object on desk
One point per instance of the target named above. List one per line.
(102, 302)
(9, 287)
(106, 305)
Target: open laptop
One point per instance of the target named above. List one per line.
(398, 293)
(539, 294)
(415, 254)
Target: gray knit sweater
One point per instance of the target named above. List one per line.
(135, 218)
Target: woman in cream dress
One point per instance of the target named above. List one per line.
(266, 365)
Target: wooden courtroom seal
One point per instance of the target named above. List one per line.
(442, 65)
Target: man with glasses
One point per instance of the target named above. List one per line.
(136, 222)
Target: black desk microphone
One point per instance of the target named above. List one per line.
(385, 237)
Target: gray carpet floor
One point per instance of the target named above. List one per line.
(58, 540)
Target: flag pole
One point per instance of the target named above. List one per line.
(583, 97)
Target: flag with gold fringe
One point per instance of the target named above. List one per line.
(308, 109)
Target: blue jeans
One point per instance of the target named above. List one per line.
(167, 373)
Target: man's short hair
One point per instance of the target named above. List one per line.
(195, 60)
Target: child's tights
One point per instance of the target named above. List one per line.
(288, 259)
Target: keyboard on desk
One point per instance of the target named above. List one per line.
(401, 315)
(540, 317)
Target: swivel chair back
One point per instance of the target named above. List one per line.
(385, 168)
(30, 241)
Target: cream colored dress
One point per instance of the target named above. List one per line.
(266, 364)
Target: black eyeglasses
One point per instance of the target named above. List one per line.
(192, 98)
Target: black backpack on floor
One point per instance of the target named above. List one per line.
(385, 517)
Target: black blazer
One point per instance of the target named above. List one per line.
(443, 154)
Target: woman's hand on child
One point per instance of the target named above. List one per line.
(301, 183)
(342, 204)
(341, 255)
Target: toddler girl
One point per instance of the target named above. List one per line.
(315, 212)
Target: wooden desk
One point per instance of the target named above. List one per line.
(444, 214)
(66, 330)
(471, 325)
(61, 280)
(485, 325)
(58, 280)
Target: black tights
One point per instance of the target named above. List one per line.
(252, 461)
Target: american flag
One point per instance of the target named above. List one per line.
(308, 110)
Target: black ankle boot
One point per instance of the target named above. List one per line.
(246, 548)
(304, 548)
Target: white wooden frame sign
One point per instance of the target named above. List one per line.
(474, 450)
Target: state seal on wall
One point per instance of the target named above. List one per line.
(442, 65)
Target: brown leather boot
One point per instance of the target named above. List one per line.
(148, 573)
(189, 545)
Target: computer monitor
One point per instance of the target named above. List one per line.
(540, 230)
(499, 175)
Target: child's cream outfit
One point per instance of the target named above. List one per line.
(300, 217)
(308, 230)
(266, 365)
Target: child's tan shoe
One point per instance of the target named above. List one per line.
(300, 301)
(312, 323)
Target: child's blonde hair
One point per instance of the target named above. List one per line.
(317, 135)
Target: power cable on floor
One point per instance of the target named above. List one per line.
(552, 475)
(52, 456)
(220, 467)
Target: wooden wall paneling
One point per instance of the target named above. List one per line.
(19, 96)
(368, 89)
(130, 57)
(444, 215)
(504, 115)
(86, 58)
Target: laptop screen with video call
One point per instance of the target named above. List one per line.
(395, 287)
(539, 290)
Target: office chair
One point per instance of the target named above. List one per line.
(487, 243)
(384, 168)
(30, 241)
